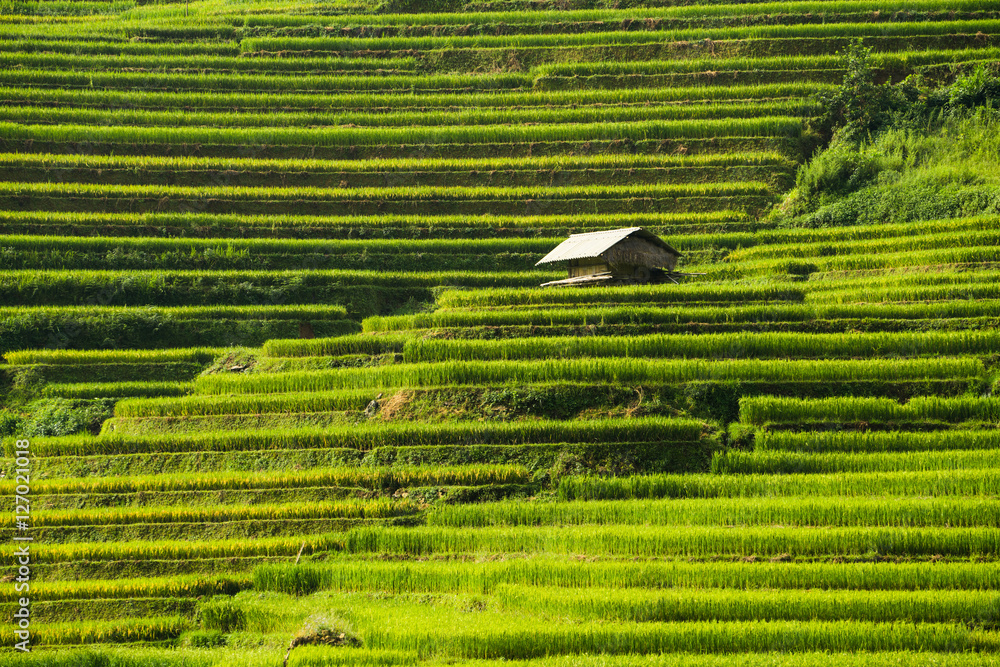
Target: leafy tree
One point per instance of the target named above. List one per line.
(859, 106)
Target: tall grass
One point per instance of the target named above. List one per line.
(183, 550)
(110, 632)
(975, 288)
(658, 541)
(597, 313)
(785, 462)
(785, 511)
(366, 477)
(645, 294)
(150, 587)
(607, 604)
(868, 261)
(826, 30)
(163, 287)
(754, 64)
(262, 82)
(198, 355)
(119, 516)
(608, 19)
(201, 404)
(414, 193)
(976, 482)
(317, 347)
(927, 241)
(195, 63)
(877, 441)
(712, 110)
(592, 370)
(259, 246)
(542, 163)
(520, 638)
(932, 275)
(764, 126)
(109, 45)
(646, 429)
(86, 390)
(341, 226)
(760, 410)
(255, 312)
(375, 101)
(482, 576)
(717, 346)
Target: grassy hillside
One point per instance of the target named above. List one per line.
(272, 329)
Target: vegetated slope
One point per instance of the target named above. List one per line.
(222, 226)
(902, 152)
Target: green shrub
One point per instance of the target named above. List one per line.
(9, 423)
(61, 416)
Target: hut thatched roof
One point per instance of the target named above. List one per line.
(597, 244)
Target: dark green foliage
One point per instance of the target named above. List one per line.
(711, 401)
(146, 328)
(222, 613)
(60, 416)
(9, 422)
(859, 103)
(554, 402)
(203, 638)
(714, 400)
(331, 631)
(979, 88)
(861, 108)
(486, 493)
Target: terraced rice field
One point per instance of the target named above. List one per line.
(222, 224)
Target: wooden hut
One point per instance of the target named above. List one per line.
(616, 257)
